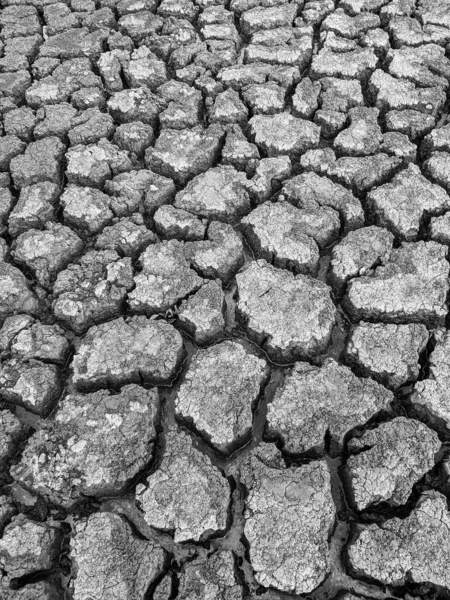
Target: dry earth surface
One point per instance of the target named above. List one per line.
(224, 299)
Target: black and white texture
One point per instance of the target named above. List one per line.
(224, 299)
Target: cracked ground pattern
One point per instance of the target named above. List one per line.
(224, 299)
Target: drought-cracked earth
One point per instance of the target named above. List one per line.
(224, 299)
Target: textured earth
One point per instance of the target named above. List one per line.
(224, 299)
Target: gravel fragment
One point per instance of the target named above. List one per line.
(309, 190)
(187, 495)
(120, 352)
(389, 461)
(46, 252)
(28, 547)
(402, 204)
(411, 286)
(289, 516)
(290, 316)
(412, 549)
(93, 290)
(15, 294)
(389, 353)
(314, 401)
(219, 391)
(184, 154)
(202, 315)
(93, 446)
(218, 194)
(212, 578)
(110, 562)
(165, 279)
(284, 134)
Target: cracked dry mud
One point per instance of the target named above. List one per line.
(224, 299)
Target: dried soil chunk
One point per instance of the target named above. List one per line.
(15, 295)
(74, 43)
(426, 66)
(28, 547)
(440, 229)
(437, 140)
(46, 252)
(287, 237)
(402, 204)
(34, 208)
(389, 353)
(176, 223)
(93, 290)
(363, 173)
(305, 98)
(430, 397)
(408, 31)
(93, 164)
(315, 400)
(412, 123)
(391, 93)
(284, 134)
(267, 18)
(309, 190)
(212, 578)
(409, 287)
(138, 104)
(26, 338)
(220, 389)
(165, 279)
(10, 147)
(228, 108)
(33, 384)
(265, 99)
(139, 189)
(134, 137)
(183, 154)
(40, 162)
(289, 516)
(292, 317)
(187, 495)
(202, 315)
(390, 460)
(356, 64)
(90, 126)
(110, 562)
(358, 252)
(54, 120)
(414, 549)
(218, 194)
(145, 70)
(350, 26)
(221, 256)
(12, 432)
(363, 136)
(86, 209)
(93, 446)
(437, 168)
(119, 352)
(126, 236)
(140, 24)
(268, 176)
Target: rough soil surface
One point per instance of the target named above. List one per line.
(224, 299)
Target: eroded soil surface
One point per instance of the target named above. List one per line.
(224, 299)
